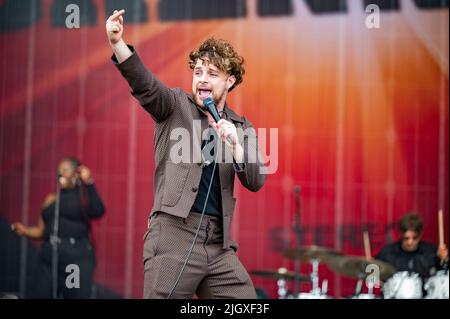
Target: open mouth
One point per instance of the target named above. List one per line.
(204, 93)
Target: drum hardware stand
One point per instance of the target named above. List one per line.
(315, 277)
(370, 285)
(298, 237)
(324, 287)
(282, 289)
(316, 290)
(54, 241)
(359, 284)
(370, 289)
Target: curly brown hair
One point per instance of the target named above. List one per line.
(221, 54)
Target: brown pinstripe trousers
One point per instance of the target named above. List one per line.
(212, 271)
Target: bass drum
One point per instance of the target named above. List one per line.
(403, 285)
(437, 286)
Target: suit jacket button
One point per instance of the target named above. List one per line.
(194, 189)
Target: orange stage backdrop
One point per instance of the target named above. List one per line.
(362, 116)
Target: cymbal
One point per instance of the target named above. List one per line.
(281, 273)
(308, 253)
(355, 267)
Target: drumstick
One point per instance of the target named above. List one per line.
(441, 228)
(367, 245)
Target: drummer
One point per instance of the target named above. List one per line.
(411, 253)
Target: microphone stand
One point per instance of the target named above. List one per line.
(54, 239)
(298, 237)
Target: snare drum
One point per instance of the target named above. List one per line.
(437, 286)
(403, 285)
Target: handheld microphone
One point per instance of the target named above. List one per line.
(210, 106)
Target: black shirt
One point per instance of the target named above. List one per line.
(214, 204)
(422, 261)
(77, 206)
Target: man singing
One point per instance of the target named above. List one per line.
(187, 248)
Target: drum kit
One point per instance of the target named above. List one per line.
(375, 273)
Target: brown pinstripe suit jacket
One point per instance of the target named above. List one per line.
(176, 184)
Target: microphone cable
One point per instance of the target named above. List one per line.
(199, 224)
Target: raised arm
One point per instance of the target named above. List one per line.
(114, 30)
(154, 96)
(95, 208)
